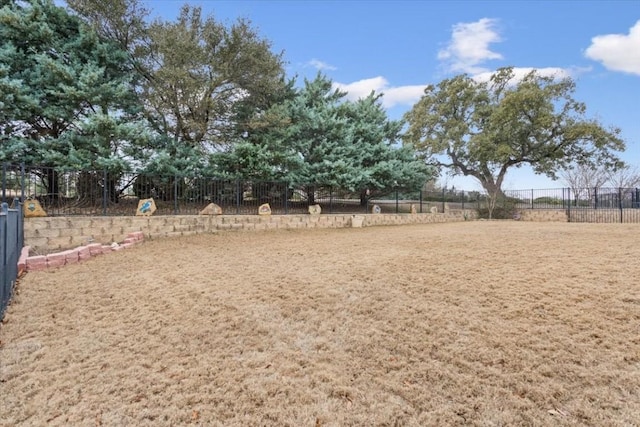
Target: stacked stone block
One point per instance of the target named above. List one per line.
(57, 234)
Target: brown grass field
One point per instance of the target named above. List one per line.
(477, 323)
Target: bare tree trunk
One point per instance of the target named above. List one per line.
(494, 194)
(311, 195)
(52, 182)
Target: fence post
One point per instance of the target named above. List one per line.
(5, 287)
(22, 174)
(286, 198)
(6, 276)
(331, 199)
(532, 205)
(17, 205)
(237, 197)
(11, 242)
(443, 197)
(595, 197)
(568, 204)
(620, 204)
(105, 184)
(366, 202)
(462, 200)
(397, 201)
(175, 195)
(4, 181)
(421, 201)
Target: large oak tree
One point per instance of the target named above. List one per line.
(484, 129)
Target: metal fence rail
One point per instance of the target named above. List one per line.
(576, 198)
(64, 193)
(601, 204)
(11, 242)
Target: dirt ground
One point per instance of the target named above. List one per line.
(478, 323)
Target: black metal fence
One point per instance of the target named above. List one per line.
(602, 204)
(64, 193)
(11, 242)
(102, 193)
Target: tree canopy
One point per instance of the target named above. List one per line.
(201, 70)
(199, 78)
(317, 137)
(65, 98)
(483, 129)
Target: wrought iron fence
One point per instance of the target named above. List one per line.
(64, 193)
(601, 204)
(577, 198)
(11, 242)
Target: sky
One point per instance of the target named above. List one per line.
(399, 47)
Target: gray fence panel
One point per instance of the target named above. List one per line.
(11, 242)
(5, 286)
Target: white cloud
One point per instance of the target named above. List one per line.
(402, 95)
(468, 49)
(617, 52)
(410, 94)
(392, 96)
(320, 65)
(469, 46)
(362, 88)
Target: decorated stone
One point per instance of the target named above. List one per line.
(211, 209)
(33, 208)
(375, 209)
(315, 209)
(413, 209)
(146, 207)
(264, 209)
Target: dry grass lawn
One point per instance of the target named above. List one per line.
(481, 323)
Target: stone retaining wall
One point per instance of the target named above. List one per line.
(53, 234)
(544, 215)
(626, 215)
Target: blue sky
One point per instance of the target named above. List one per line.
(398, 47)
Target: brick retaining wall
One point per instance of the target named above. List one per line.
(52, 234)
(72, 256)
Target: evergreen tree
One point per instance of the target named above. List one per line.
(65, 94)
(200, 78)
(317, 138)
